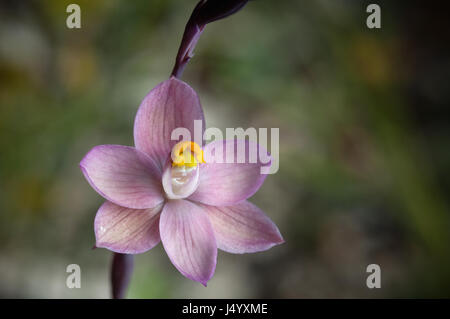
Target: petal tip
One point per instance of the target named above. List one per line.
(99, 244)
(83, 168)
(81, 164)
(278, 240)
(202, 281)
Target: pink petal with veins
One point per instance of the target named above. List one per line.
(223, 184)
(188, 238)
(243, 228)
(172, 104)
(127, 231)
(124, 176)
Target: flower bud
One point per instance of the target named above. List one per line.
(211, 10)
(205, 12)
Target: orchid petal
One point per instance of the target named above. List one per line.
(222, 183)
(172, 104)
(124, 176)
(127, 231)
(188, 238)
(243, 228)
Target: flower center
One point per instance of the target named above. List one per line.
(187, 153)
(180, 177)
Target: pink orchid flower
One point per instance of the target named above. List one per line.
(193, 208)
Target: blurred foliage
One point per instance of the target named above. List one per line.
(364, 153)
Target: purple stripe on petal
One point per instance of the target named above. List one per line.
(124, 176)
(188, 238)
(222, 183)
(127, 231)
(243, 228)
(172, 104)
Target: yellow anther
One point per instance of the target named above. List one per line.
(187, 153)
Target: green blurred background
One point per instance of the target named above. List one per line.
(364, 141)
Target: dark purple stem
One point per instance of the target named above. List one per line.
(205, 11)
(185, 53)
(121, 271)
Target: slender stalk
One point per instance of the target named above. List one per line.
(121, 271)
(185, 53)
